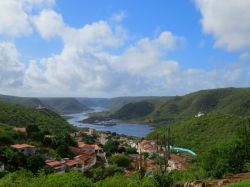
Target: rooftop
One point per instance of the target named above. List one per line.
(21, 146)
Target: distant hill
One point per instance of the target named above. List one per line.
(134, 110)
(234, 101)
(24, 101)
(19, 116)
(115, 103)
(59, 105)
(64, 105)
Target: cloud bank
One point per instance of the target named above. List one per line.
(97, 60)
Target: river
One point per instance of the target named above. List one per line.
(129, 129)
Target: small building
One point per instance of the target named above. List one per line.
(22, 129)
(92, 148)
(26, 149)
(57, 166)
(85, 161)
(70, 164)
(147, 146)
(91, 131)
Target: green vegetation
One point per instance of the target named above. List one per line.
(235, 101)
(18, 116)
(64, 105)
(240, 184)
(199, 133)
(59, 105)
(117, 102)
(134, 110)
(111, 147)
(24, 178)
(120, 160)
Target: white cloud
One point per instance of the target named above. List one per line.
(227, 21)
(118, 17)
(96, 61)
(49, 24)
(11, 70)
(15, 15)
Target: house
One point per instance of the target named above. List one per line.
(57, 166)
(132, 144)
(22, 130)
(70, 164)
(85, 161)
(91, 131)
(26, 149)
(147, 146)
(92, 148)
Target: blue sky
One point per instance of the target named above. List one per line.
(113, 48)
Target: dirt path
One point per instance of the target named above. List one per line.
(230, 179)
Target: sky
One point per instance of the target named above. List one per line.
(109, 48)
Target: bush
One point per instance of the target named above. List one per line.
(120, 160)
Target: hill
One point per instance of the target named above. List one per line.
(24, 101)
(64, 105)
(115, 103)
(59, 105)
(198, 133)
(235, 101)
(19, 116)
(134, 110)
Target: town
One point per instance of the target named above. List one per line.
(93, 149)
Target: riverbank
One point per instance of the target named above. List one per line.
(81, 120)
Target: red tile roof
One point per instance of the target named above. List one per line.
(21, 146)
(53, 163)
(70, 162)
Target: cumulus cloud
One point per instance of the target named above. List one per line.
(15, 15)
(96, 60)
(11, 69)
(227, 21)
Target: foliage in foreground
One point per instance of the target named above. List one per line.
(24, 178)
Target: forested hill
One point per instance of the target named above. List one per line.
(117, 102)
(64, 105)
(234, 101)
(59, 105)
(198, 133)
(19, 116)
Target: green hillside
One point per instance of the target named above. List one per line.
(59, 105)
(227, 100)
(235, 101)
(117, 102)
(19, 116)
(198, 133)
(64, 105)
(24, 101)
(134, 110)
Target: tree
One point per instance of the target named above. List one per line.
(121, 160)
(34, 163)
(111, 147)
(12, 158)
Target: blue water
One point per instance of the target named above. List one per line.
(129, 129)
